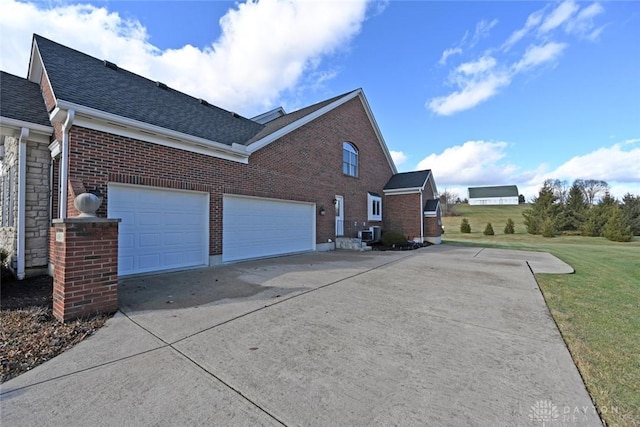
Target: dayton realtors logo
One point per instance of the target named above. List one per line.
(544, 411)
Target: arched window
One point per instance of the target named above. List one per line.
(349, 159)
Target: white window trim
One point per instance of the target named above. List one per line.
(352, 150)
(371, 199)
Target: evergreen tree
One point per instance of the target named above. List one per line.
(617, 228)
(510, 227)
(598, 215)
(572, 216)
(488, 230)
(465, 227)
(547, 228)
(542, 209)
(631, 212)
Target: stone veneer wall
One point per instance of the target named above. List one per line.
(36, 204)
(8, 235)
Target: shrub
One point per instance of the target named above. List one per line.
(510, 227)
(547, 228)
(393, 238)
(617, 228)
(465, 227)
(488, 230)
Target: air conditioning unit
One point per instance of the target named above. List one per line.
(371, 234)
(377, 233)
(366, 235)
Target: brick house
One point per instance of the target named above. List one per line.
(413, 206)
(194, 185)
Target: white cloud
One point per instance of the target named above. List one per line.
(398, 157)
(479, 80)
(264, 49)
(558, 16)
(532, 21)
(583, 25)
(472, 163)
(478, 163)
(536, 55)
(482, 31)
(447, 53)
(619, 162)
(473, 91)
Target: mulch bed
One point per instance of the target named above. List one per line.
(29, 333)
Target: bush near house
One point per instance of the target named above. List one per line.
(394, 239)
(465, 227)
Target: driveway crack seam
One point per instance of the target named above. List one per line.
(165, 345)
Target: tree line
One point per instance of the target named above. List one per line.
(584, 208)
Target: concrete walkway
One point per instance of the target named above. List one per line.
(439, 336)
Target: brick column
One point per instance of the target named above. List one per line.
(84, 254)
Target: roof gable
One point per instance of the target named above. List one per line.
(21, 100)
(83, 80)
(431, 207)
(408, 180)
(288, 123)
(494, 191)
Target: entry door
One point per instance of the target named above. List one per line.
(339, 216)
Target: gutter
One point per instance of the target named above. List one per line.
(64, 165)
(22, 196)
(91, 116)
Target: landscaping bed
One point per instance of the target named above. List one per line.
(29, 333)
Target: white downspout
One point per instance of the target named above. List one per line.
(421, 219)
(22, 196)
(64, 165)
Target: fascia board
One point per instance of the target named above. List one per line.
(112, 123)
(19, 124)
(261, 143)
(35, 69)
(400, 191)
(376, 129)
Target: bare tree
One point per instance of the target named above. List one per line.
(447, 200)
(560, 189)
(592, 188)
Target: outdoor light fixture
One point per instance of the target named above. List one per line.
(322, 210)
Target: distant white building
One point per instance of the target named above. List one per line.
(497, 195)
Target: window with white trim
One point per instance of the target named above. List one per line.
(349, 159)
(374, 203)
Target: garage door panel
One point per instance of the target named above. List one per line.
(161, 229)
(256, 227)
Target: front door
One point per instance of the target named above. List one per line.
(339, 215)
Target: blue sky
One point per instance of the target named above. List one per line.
(482, 93)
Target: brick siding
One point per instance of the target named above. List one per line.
(305, 165)
(84, 257)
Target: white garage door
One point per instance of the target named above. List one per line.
(161, 229)
(255, 227)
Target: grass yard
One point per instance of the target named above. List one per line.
(597, 309)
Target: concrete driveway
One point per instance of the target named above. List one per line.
(439, 336)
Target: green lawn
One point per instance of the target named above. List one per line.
(597, 309)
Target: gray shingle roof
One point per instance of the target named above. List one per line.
(431, 205)
(21, 99)
(84, 80)
(287, 119)
(495, 191)
(408, 180)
